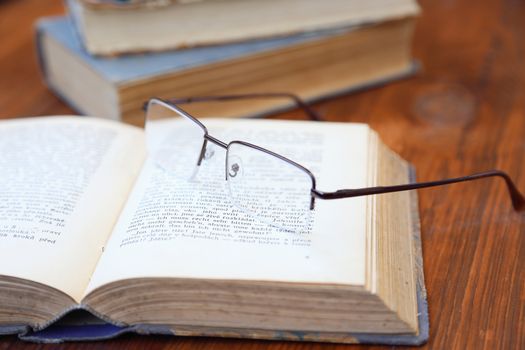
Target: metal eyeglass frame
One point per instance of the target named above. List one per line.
(518, 201)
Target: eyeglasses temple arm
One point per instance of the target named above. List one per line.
(313, 115)
(518, 201)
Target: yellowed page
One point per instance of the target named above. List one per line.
(173, 228)
(218, 22)
(63, 182)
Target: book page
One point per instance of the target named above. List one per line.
(63, 181)
(172, 227)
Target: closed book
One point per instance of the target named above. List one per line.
(116, 27)
(311, 65)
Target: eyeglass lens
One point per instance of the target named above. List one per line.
(179, 153)
(259, 183)
(268, 187)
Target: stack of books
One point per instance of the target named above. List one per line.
(107, 57)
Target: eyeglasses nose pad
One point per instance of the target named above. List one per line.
(209, 152)
(235, 167)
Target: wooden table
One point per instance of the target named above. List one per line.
(465, 112)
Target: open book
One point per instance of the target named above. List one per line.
(88, 221)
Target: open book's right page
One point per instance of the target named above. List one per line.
(190, 229)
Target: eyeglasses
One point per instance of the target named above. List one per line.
(266, 185)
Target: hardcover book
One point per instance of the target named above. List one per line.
(116, 27)
(311, 65)
(97, 240)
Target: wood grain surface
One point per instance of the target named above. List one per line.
(465, 112)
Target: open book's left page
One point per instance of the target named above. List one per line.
(63, 182)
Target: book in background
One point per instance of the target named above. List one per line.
(314, 50)
(111, 27)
